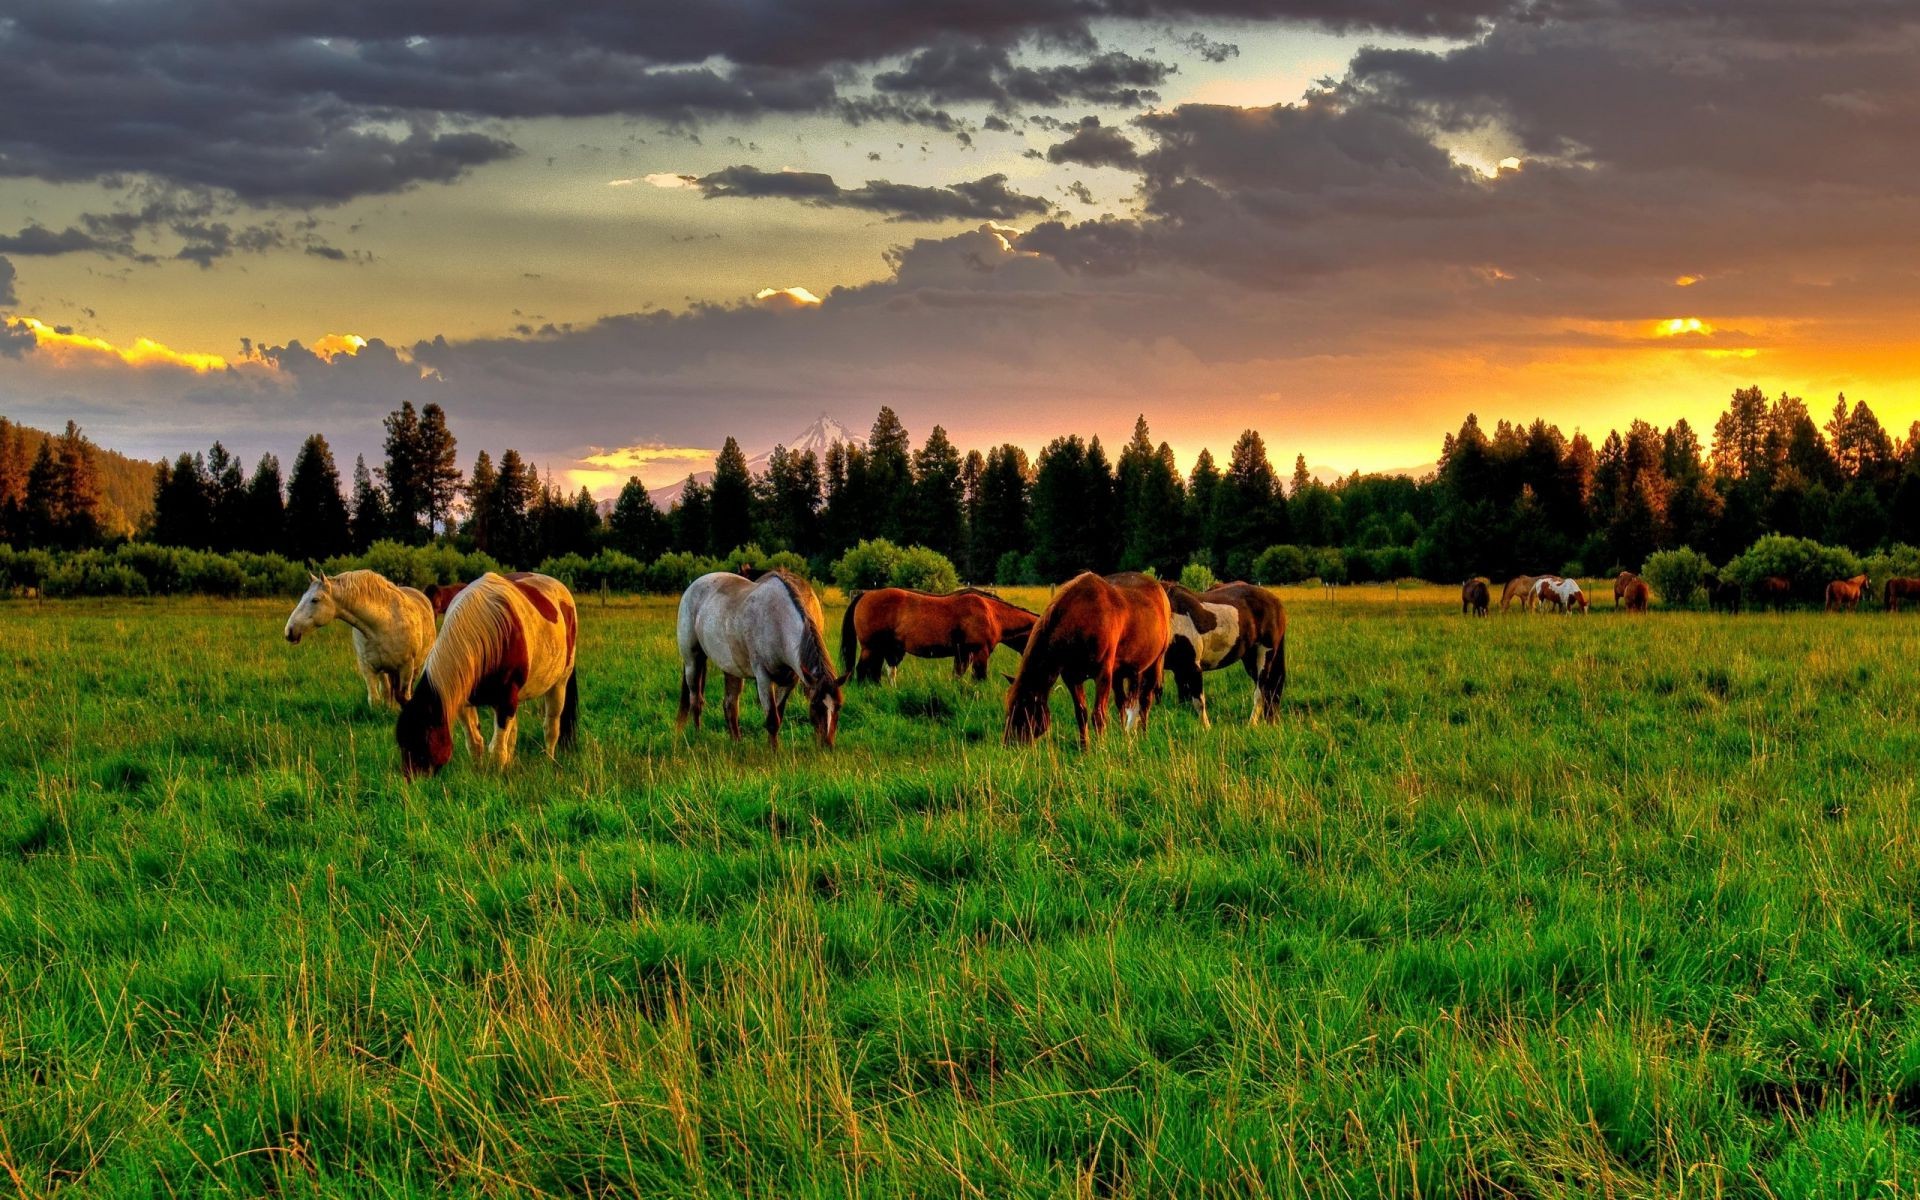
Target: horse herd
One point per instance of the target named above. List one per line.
(505, 640)
(1564, 595)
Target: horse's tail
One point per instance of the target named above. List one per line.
(570, 711)
(849, 638)
(1273, 680)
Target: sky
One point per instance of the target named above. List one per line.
(610, 235)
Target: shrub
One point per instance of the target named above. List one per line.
(1899, 560)
(1330, 564)
(211, 574)
(1677, 575)
(568, 569)
(1198, 576)
(1015, 569)
(671, 573)
(92, 573)
(924, 570)
(1281, 564)
(1810, 565)
(868, 565)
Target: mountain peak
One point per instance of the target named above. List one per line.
(822, 433)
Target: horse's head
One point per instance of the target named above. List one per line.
(314, 609)
(824, 699)
(1028, 715)
(426, 741)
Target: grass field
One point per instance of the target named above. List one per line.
(1527, 906)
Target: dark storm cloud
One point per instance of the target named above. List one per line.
(38, 240)
(959, 72)
(987, 198)
(7, 276)
(1095, 145)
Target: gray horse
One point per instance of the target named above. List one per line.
(769, 630)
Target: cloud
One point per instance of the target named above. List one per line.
(59, 343)
(987, 198)
(7, 276)
(39, 240)
(1095, 145)
(960, 71)
(786, 297)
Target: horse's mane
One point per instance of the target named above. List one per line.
(361, 585)
(479, 627)
(813, 646)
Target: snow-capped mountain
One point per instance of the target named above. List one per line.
(824, 432)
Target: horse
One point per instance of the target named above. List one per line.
(1520, 588)
(1474, 597)
(1229, 623)
(506, 640)
(1637, 595)
(1564, 594)
(392, 628)
(1621, 583)
(888, 624)
(769, 630)
(1844, 595)
(1543, 593)
(1776, 589)
(1723, 593)
(1113, 630)
(1899, 589)
(441, 596)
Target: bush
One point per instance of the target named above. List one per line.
(1198, 576)
(1015, 570)
(1282, 564)
(92, 573)
(1810, 565)
(924, 570)
(868, 565)
(1677, 575)
(671, 573)
(1330, 564)
(568, 569)
(1896, 561)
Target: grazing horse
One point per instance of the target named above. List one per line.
(769, 630)
(392, 627)
(1227, 624)
(1112, 630)
(1723, 593)
(1899, 589)
(1564, 594)
(1621, 582)
(882, 627)
(1775, 589)
(1519, 588)
(1474, 597)
(1637, 595)
(506, 640)
(441, 595)
(1844, 595)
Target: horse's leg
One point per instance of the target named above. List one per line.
(981, 658)
(773, 702)
(470, 721)
(1149, 691)
(556, 704)
(506, 727)
(1102, 697)
(1077, 688)
(731, 704)
(693, 690)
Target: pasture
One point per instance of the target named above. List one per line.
(1523, 906)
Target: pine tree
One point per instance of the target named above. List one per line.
(40, 519)
(13, 481)
(266, 507)
(182, 510)
(369, 522)
(317, 525)
(1073, 523)
(889, 477)
(404, 476)
(937, 517)
(1203, 503)
(972, 469)
(1248, 517)
(479, 488)
(730, 516)
(637, 526)
(1151, 503)
(227, 498)
(1004, 511)
(71, 514)
(510, 518)
(438, 468)
(692, 518)
(789, 500)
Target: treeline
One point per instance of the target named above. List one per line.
(1513, 500)
(60, 490)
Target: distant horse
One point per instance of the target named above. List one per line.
(392, 627)
(1723, 594)
(769, 630)
(1899, 589)
(506, 640)
(1112, 630)
(883, 626)
(1776, 590)
(1474, 597)
(1229, 623)
(1844, 595)
(1637, 595)
(1519, 588)
(441, 596)
(1564, 594)
(1621, 583)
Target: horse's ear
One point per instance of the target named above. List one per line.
(843, 680)
(1008, 678)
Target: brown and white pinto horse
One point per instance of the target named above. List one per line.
(1112, 630)
(1519, 588)
(1844, 595)
(1474, 597)
(883, 626)
(1636, 593)
(506, 640)
(1227, 624)
(1899, 589)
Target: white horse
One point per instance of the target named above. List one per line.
(392, 627)
(1564, 594)
(769, 630)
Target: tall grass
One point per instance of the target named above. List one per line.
(1530, 906)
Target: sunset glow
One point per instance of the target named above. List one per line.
(67, 346)
(333, 345)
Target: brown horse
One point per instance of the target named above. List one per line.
(1636, 594)
(1227, 624)
(1519, 588)
(1899, 589)
(1723, 593)
(1474, 597)
(1112, 630)
(1844, 595)
(1621, 583)
(441, 596)
(1776, 590)
(882, 627)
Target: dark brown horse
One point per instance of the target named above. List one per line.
(1227, 624)
(1112, 630)
(1474, 597)
(1899, 589)
(441, 595)
(1621, 583)
(1723, 593)
(1776, 590)
(1844, 595)
(883, 626)
(1636, 593)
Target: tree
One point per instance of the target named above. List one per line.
(227, 497)
(1248, 516)
(1203, 500)
(438, 469)
(1073, 525)
(730, 517)
(317, 523)
(509, 512)
(479, 487)
(369, 521)
(636, 525)
(266, 507)
(889, 475)
(1003, 510)
(182, 510)
(790, 501)
(41, 514)
(937, 516)
(692, 518)
(14, 463)
(404, 475)
(1152, 505)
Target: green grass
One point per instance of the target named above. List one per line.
(1519, 907)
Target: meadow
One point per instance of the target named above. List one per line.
(1527, 906)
